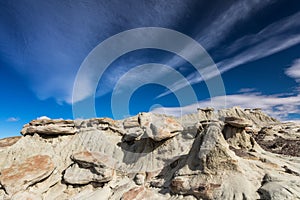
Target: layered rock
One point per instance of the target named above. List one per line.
(49, 127)
(226, 154)
(20, 176)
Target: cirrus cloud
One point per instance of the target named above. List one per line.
(13, 119)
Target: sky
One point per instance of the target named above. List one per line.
(250, 56)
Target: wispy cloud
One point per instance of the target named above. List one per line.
(247, 90)
(274, 38)
(226, 20)
(220, 26)
(13, 119)
(275, 105)
(58, 40)
(46, 41)
(294, 70)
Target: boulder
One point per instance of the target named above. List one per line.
(89, 167)
(76, 175)
(159, 127)
(238, 122)
(20, 176)
(49, 127)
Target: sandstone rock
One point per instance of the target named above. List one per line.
(56, 192)
(6, 142)
(159, 127)
(131, 122)
(94, 159)
(238, 122)
(206, 113)
(90, 167)
(278, 188)
(257, 118)
(152, 156)
(208, 109)
(99, 123)
(80, 176)
(103, 194)
(49, 127)
(141, 193)
(26, 196)
(20, 176)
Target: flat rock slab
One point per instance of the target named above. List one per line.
(238, 122)
(49, 127)
(19, 177)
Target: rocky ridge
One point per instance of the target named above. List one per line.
(226, 154)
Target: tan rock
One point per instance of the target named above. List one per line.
(142, 193)
(159, 127)
(26, 196)
(6, 142)
(98, 159)
(90, 167)
(238, 122)
(80, 176)
(19, 177)
(49, 127)
(152, 156)
(133, 193)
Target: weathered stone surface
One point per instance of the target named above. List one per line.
(159, 127)
(26, 196)
(101, 193)
(94, 159)
(80, 176)
(153, 156)
(20, 176)
(141, 193)
(90, 167)
(6, 142)
(238, 122)
(279, 188)
(49, 127)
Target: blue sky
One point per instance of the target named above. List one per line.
(255, 45)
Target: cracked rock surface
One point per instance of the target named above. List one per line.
(211, 154)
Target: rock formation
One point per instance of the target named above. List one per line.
(226, 154)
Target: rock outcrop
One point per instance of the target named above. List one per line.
(226, 154)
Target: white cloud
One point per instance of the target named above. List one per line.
(225, 22)
(277, 106)
(65, 45)
(295, 121)
(43, 117)
(221, 26)
(272, 39)
(294, 70)
(246, 90)
(13, 119)
(61, 86)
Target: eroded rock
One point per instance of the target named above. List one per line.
(206, 155)
(49, 127)
(159, 127)
(20, 176)
(76, 175)
(238, 122)
(89, 167)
